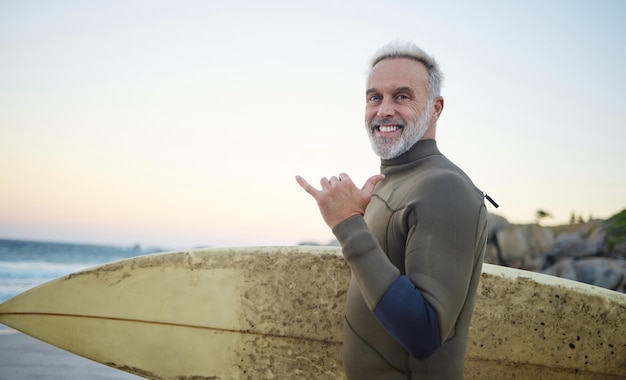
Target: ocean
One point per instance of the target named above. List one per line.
(26, 264)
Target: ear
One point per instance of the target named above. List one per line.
(437, 108)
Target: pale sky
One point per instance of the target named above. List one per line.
(184, 123)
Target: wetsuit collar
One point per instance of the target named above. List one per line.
(421, 149)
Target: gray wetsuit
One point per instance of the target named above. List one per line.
(426, 223)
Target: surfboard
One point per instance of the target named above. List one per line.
(277, 313)
(528, 325)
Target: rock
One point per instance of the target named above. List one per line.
(579, 251)
(564, 268)
(573, 245)
(523, 246)
(495, 223)
(512, 246)
(598, 271)
(540, 241)
(606, 273)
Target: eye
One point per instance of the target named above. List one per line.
(373, 98)
(403, 97)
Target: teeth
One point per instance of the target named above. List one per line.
(384, 128)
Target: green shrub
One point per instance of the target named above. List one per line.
(616, 229)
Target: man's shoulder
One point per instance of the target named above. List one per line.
(441, 170)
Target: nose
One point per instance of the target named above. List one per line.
(386, 108)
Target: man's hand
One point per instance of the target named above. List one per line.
(339, 198)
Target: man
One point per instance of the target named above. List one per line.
(414, 236)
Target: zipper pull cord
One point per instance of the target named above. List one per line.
(490, 200)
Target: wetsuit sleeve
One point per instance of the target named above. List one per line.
(409, 318)
(397, 304)
(368, 263)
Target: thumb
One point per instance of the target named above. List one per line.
(371, 183)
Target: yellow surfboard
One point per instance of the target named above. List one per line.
(277, 313)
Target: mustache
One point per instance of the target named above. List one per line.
(386, 121)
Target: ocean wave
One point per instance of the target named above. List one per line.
(41, 267)
(19, 276)
(8, 291)
(26, 264)
(14, 288)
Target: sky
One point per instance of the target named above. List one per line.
(183, 123)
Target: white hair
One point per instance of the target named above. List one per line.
(409, 50)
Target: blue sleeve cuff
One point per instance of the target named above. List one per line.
(409, 318)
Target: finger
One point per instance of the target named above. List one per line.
(324, 182)
(306, 186)
(344, 177)
(371, 183)
(333, 179)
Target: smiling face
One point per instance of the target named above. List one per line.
(398, 112)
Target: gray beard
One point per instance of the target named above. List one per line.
(412, 132)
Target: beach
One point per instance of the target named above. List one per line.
(23, 358)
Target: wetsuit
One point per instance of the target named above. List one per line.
(416, 257)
